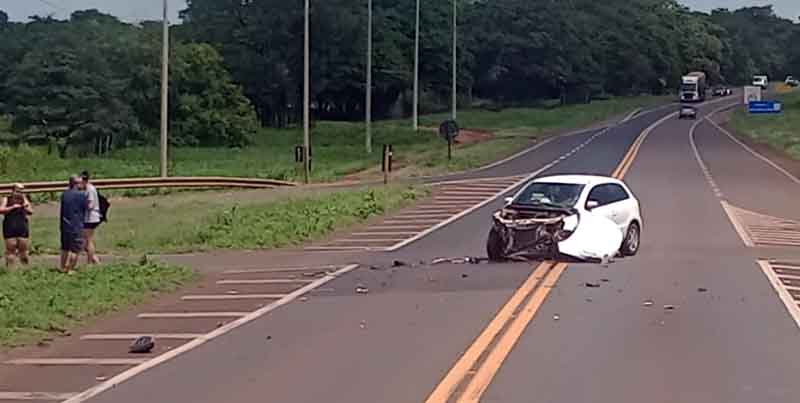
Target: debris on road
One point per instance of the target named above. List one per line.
(440, 260)
(556, 317)
(101, 378)
(464, 275)
(303, 299)
(670, 307)
(363, 324)
(142, 345)
(269, 337)
(648, 302)
(399, 263)
(592, 285)
(589, 300)
(605, 280)
(233, 292)
(375, 268)
(360, 289)
(701, 289)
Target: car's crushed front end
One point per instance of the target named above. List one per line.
(527, 231)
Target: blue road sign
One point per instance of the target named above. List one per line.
(764, 107)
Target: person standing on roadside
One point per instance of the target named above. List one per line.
(16, 230)
(93, 219)
(74, 205)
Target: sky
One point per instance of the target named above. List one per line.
(137, 10)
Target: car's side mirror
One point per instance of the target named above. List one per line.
(591, 204)
(508, 200)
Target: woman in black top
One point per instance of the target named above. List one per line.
(16, 208)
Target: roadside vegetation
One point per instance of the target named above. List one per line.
(38, 302)
(781, 132)
(338, 147)
(241, 220)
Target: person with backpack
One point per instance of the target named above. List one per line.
(94, 217)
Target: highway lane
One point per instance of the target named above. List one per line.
(728, 340)
(391, 345)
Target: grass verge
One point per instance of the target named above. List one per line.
(781, 132)
(39, 301)
(211, 221)
(338, 148)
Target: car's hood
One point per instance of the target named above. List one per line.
(596, 237)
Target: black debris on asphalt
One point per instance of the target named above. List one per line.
(592, 285)
(142, 345)
(701, 289)
(399, 263)
(360, 289)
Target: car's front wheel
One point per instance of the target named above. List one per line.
(494, 246)
(633, 238)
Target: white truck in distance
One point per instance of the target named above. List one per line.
(693, 87)
(761, 81)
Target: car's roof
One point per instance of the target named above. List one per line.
(576, 179)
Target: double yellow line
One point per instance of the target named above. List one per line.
(511, 319)
(471, 375)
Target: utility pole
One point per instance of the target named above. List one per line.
(416, 73)
(164, 93)
(455, 30)
(368, 102)
(306, 100)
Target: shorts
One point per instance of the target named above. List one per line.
(91, 225)
(15, 231)
(71, 242)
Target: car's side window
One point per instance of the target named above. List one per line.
(599, 194)
(617, 193)
(607, 194)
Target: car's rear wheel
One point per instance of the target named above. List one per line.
(495, 247)
(633, 238)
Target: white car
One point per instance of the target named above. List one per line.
(582, 216)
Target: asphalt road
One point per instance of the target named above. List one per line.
(727, 339)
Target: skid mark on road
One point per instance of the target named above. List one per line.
(235, 298)
(785, 279)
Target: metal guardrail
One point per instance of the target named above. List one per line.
(171, 182)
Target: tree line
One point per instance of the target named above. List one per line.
(237, 64)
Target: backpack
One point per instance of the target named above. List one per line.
(104, 206)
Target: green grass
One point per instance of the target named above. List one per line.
(213, 220)
(338, 147)
(781, 132)
(39, 301)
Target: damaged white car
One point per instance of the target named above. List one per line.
(590, 218)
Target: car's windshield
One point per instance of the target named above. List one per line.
(550, 194)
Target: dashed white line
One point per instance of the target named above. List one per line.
(231, 297)
(278, 269)
(36, 396)
(75, 361)
(190, 315)
(134, 336)
(264, 281)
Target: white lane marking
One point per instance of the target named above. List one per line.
(472, 193)
(40, 396)
(419, 221)
(737, 225)
(631, 115)
(789, 287)
(341, 249)
(786, 298)
(786, 276)
(472, 188)
(479, 205)
(264, 281)
(279, 269)
(367, 241)
(134, 336)
(440, 216)
(383, 233)
(230, 297)
(751, 151)
(76, 361)
(115, 381)
(190, 315)
(435, 209)
(393, 227)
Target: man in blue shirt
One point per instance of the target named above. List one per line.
(74, 204)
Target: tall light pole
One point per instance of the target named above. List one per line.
(368, 102)
(416, 73)
(455, 31)
(306, 99)
(164, 93)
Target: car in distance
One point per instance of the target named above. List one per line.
(722, 91)
(761, 81)
(791, 81)
(687, 112)
(586, 217)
